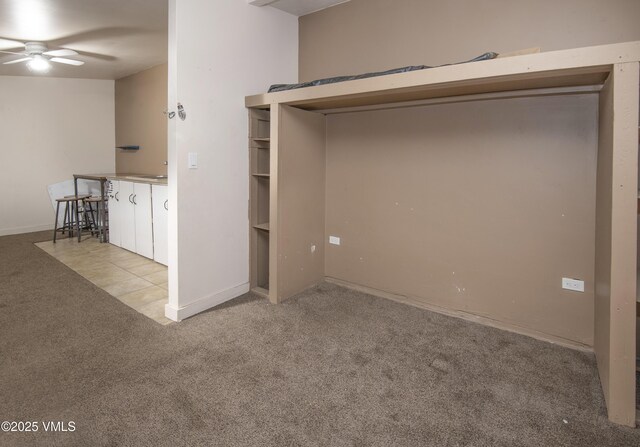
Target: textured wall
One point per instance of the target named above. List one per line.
(367, 35)
(140, 102)
(481, 207)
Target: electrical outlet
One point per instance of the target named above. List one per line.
(334, 240)
(573, 284)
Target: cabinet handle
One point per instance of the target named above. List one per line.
(165, 205)
(134, 199)
(116, 196)
(130, 195)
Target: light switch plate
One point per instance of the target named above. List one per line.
(192, 160)
(334, 240)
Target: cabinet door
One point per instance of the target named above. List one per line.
(144, 222)
(127, 216)
(160, 201)
(115, 213)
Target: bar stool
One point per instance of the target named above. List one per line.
(97, 215)
(71, 217)
(80, 212)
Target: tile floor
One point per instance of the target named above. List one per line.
(135, 280)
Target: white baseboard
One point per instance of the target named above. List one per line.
(180, 313)
(22, 230)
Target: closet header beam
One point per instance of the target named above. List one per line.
(565, 68)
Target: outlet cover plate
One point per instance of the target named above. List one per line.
(576, 285)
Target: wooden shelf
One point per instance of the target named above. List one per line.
(263, 227)
(259, 167)
(264, 293)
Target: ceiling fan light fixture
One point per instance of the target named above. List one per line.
(39, 63)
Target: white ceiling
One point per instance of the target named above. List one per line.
(298, 7)
(115, 38)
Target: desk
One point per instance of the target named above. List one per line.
(102, 178)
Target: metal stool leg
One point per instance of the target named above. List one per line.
(88, 217)
(71, 222)
(65, 220)
(100, 237)
(55, 226)
(75, 216)
(78, 219)
(69, 207)
(93, 227)
(104, 221)
(101, 216)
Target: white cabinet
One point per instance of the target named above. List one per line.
(143, 219)
(130, 221)
(127, 217)
(160, 200)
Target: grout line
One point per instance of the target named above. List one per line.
(87, 249)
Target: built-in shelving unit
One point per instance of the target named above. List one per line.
(259, 168)
(296, 121)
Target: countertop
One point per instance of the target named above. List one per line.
(140, 178)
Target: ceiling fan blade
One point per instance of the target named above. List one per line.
(102, 57)
(61, 53)
(95, 35)
(10, 52)
(62, 60)
(10, 43)
(17, 60)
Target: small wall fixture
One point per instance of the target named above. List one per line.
(128, 148)
(181, 113)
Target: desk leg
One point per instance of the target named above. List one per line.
(101, 221)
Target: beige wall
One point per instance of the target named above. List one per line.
(481, 207)
(51, 129)
(300, 221)
(140, 100)
(367, 35)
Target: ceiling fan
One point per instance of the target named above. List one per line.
(38, 56)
